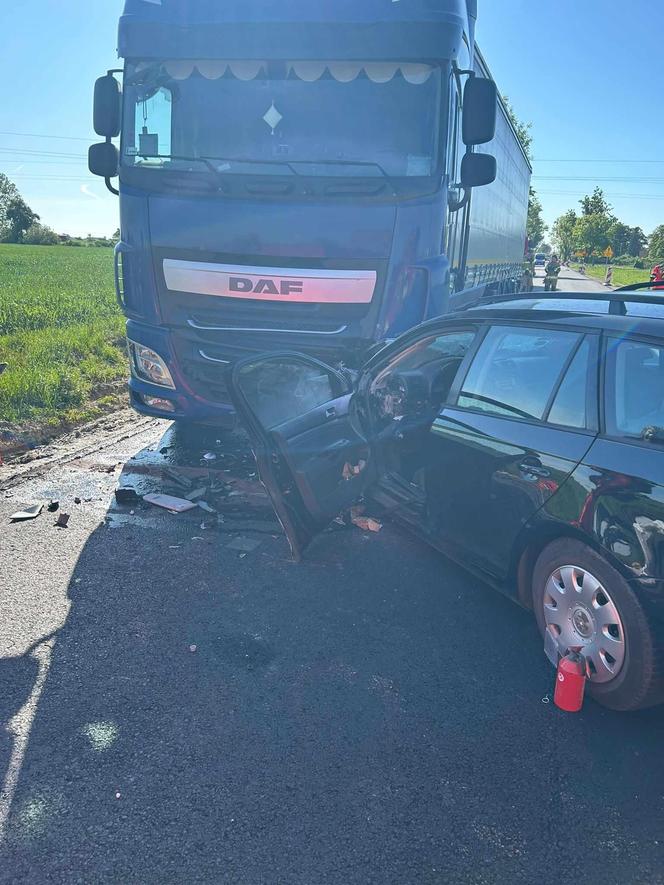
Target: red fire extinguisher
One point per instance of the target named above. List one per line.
(570, 682)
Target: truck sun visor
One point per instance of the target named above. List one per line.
(310, 71)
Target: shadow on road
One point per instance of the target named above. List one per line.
(372, 714)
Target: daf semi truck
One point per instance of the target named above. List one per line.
(310, 175)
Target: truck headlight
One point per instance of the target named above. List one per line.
(149, 366)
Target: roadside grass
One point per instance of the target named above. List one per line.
(622, 276)
(61, 333)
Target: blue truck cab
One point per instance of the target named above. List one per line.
(302, 176)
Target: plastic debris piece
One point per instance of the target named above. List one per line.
(62, 521)
(193, 648)
(177, 477)
(127, 495)
(169, 502)
(174, 546)
(246, 545)
(197, 538)
(197, 493)
(205, 506)
(209, 456)
(118, 795)
(30, 512)
(53, 506)
(367, 524)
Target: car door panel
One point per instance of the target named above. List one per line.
(491, 475)
(303, 436)
(317, 447)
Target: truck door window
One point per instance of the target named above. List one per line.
(152, 127)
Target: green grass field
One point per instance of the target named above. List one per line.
(61, 332)
(622, 276)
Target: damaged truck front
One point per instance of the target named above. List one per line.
(300, 176)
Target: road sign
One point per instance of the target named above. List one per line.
(608, 252)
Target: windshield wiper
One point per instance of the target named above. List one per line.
(185, 159)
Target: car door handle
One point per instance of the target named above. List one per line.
(534, 467)
(331, 412)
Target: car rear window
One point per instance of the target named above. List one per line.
(570, 406)
(635, 389)
(516, 370)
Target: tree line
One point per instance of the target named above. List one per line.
(19, 224)
(590, 232)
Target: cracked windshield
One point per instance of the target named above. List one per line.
(331, 443)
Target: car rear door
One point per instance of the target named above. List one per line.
(522, 418)
(312, 455)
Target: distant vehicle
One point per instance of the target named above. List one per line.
(540, 259)
(310, 175)
(524, 439)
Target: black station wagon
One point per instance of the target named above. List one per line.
(523, 438)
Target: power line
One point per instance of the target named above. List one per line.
(34, 135)
(640, 178)
(586, 160)
(659, 197)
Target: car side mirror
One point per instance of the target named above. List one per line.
(103, 159)
(480, 106)
(107, 112)
(478, 170)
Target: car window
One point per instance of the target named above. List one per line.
(278, 388)
(515, 371)
(570, 405)
(635, 389)
(439, 358)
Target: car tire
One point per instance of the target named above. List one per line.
(640, 680)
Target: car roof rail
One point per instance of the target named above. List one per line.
(617, 298)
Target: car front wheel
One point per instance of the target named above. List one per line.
(586, 604)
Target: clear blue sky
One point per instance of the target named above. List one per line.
(588, 77)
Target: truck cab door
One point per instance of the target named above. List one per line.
(313, 457)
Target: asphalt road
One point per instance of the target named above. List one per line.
(182, 703)
(571, 281)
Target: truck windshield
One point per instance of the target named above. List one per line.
(308, 118)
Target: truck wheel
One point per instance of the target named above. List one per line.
(584, 602)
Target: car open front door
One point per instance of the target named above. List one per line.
(312, 455)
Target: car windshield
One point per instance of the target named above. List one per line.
(314, 118)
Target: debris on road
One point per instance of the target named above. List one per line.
(62, 521)
(209, 456)
(53, 506)
(77, 500)
(30, 512)
(177, 477)
(197, 493)
(245, 545)
(169, 502)
(366, 523)
(127, 495)
(193, 648)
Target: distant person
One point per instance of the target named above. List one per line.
(528, 272)
(551, 272)
(657, 276)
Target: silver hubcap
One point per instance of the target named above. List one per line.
(579, 613)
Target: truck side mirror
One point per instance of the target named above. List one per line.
(107, 107)
(480, 104)
(478, 170)
(103, 159)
